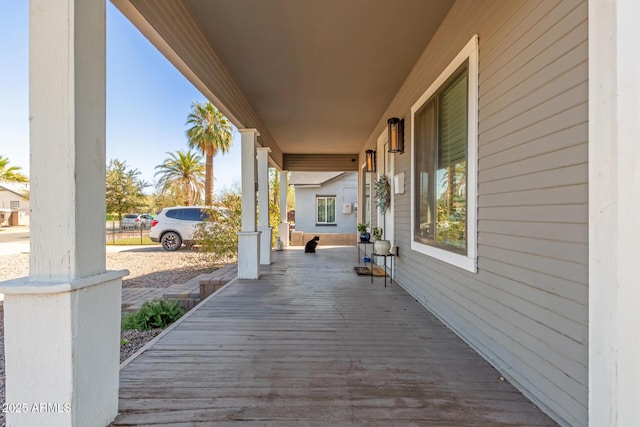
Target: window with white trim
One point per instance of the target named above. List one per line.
(14, 204)
(444, 167)
(325, 210)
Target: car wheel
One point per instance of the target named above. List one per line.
(171, 241)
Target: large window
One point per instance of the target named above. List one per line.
(326, 210)
(444, 136)
(441, 166)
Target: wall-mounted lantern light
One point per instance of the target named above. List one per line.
(396, 135)
(370, 161)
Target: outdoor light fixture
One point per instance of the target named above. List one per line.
(396, 135)
(370, 161)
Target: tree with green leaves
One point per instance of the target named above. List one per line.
(10, 173)
(159, 200)
(274, 203)
(209, 132)
(125, 188)
(182, 176)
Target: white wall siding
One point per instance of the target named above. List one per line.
(526, 308)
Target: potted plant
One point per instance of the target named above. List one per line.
(380, 246)
(383, 193)
(364, 235)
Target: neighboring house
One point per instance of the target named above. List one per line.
(326, 202)
(14, 204)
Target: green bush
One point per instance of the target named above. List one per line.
(152, 315)
(218, 235)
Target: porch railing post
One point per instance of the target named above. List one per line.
(62, 323)
(249, 237)
(263, 206)
(283, 227)
(614, 185)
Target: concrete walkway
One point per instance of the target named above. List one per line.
(312, 344)
(187, 294)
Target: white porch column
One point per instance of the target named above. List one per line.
(249, 237)
(62, 323)
(263, 206)
(614, 186)
(283, 227)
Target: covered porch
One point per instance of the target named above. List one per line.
(537, 272)
(312, 343)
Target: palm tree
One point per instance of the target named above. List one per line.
(209, 132)
(10, 173)
(182, 174)
(454, 181)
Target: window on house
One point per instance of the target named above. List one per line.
(444, 167)
(441, 166)
(325, 209)
(15, 204)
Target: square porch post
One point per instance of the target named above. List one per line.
(283, 227)
(263, 205)
(614, 186)
(249, 237)
(62, 323)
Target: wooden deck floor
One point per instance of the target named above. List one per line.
(313, 344)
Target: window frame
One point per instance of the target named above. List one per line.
(466, 261)
(335, 210)
(14, 204)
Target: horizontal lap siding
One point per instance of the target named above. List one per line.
(344, 189)
(526, 308)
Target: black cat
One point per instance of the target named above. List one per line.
(310, 247)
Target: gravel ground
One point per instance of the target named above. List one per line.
(148, 267)
(135, 340)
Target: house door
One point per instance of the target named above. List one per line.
(385, 167)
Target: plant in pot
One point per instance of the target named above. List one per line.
(383, 193)
(364, 235)
(380, 246)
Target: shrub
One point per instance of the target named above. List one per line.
(377, 233)
(218, 235)
(152, 315)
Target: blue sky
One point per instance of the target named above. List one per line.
(148, 100)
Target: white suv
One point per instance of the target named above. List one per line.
(175, 226)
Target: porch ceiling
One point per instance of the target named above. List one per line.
(311, 76)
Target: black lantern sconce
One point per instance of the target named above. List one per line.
(370, 161)
(396, 135)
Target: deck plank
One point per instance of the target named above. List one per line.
(313, 344)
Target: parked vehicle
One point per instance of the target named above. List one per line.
(130, 221)
(133, 221)
(174, 226)
(146, 220)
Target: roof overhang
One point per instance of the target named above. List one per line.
(314, 77)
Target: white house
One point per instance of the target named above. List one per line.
(14, 201)
(326, 205)
(514, 201)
